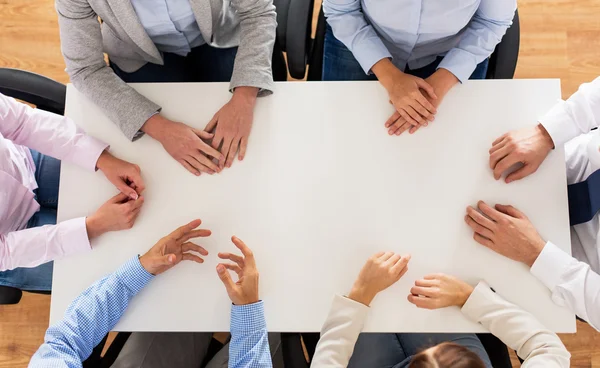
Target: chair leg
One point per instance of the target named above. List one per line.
(10, 295)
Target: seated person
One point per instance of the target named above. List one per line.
(574, 281)
(418, 50)
(172, 41)
(97, 310)
(29, 177)
(342, 345)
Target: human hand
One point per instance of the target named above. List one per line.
(528, 146)
(124, 175)
(506, 231)
(441, 81)
(185, 144)
(407, 93)
(118, 213)
(245, 290)
(439, 291)
(232, 124)
(381, 271)
(174, 248)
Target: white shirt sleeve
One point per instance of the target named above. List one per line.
(573, 284)
(578, 115)
(339, 333)
(516, 328)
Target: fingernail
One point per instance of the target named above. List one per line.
(426, 124)
(133, 196)
(197, 174)
(220, 268)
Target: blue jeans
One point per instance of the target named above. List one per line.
(388, 350)
(203, 64)
(47, 175)
(339, 63)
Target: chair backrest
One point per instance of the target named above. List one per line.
(503, 62)
(294, 27)
(45, 93)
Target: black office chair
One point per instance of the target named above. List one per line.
(47, 95)
(503, 61)
(294, 24)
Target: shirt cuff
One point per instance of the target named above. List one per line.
(370, 51)
(559, 125)
(74, 236)
(460, 63)
(480, 296)
(133, 275)
(88, 152)
(550, 265)
(248, 318)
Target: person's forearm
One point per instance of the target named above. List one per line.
(51, 134)
(578, 115)
(35, 246)
(249, 345)
(482, 34)
(572, 283)
(339, 333)
(91, 315)
(511, 324)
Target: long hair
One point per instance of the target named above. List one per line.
(447, 355)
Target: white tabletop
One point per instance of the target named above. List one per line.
(322, 188)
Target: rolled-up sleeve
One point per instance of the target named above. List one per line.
(484, 32)
(350, 27)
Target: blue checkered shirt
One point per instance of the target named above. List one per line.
(96, 311)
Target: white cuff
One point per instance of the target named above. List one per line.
(74, 237)
(480, 296)
(550, 265)
(559, 125)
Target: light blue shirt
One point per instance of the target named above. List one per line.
(171, 24)
(96, 311)
(416, 32)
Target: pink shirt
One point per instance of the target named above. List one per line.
(20, 127)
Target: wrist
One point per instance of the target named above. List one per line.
(537, 248)
(545, 136)
(93, 227)
(463, 295)
(387, 73)
(361, 294)
(103, 160)
(444, 80)
(155, 126)
(246, 95)
(146, 264)
(247, 302)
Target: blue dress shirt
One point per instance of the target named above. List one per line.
(96, 311)
(170, 24)
(415, 32)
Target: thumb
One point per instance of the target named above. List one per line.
(167, 260)
(126, 189)
(522, 172)
(426, 87)
(203, 134)
(510, 210)
(225, 277)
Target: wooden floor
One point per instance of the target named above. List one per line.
(559, 39)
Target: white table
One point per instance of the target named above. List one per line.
(322, 188)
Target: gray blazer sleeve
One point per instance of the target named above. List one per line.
(258, 23)
(81, 44)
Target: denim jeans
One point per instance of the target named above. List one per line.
(47, 175)
(339, 63)
(389, 350)
(203, 64)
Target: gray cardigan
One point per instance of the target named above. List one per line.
(249, 24)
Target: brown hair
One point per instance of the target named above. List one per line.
(447, 355)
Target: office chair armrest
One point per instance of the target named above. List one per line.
(41, 91)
